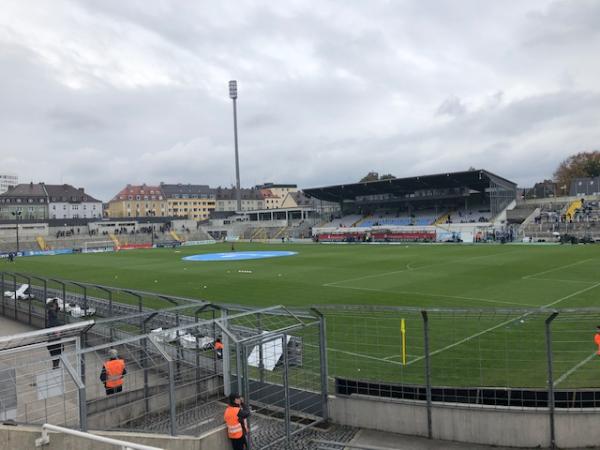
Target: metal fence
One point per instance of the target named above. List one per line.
(176, 381)
(285, 361)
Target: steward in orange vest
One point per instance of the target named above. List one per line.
(219, 348)
(237, 426)
(597, 338)
(112, 373)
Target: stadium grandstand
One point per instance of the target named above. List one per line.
(38, 237)
(423, 208)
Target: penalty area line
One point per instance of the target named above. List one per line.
(423, 294)
(574, 369)
(360, 355)
(526, 277)
(506, 322)
(412, 269)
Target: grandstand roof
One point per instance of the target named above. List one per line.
(473, 179)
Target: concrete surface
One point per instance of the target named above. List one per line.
(483, 425)
(400, 441)
(9, 326)
(23, 438)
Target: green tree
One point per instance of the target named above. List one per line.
(583, 164)
(387, 176)
(371, 176)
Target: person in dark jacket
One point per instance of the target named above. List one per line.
(55, 350)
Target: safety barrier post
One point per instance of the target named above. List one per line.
(2, 292)
(427, 371)
(15, 297)
(226, 357)
(323, 362)
(548, 324)
(286, 388)
(29, 305)
(261, 364)
(172, 399)
(246, 393)
(238, 373)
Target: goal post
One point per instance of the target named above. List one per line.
(98, 246)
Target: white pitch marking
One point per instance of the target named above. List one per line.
(557, 279)
(506, 322)
(556, 268)
(375, 275)
(387, 358)
(570, 372)
(360, 355)
(487, 300)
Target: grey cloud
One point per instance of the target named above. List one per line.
(100, 94)
(452, 106)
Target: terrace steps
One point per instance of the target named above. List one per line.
(573, 207)
(42, 243)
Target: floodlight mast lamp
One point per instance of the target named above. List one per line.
(233, 96)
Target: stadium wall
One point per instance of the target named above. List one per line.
(511, 427)
(23, 437)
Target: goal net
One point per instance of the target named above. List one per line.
(98, 246)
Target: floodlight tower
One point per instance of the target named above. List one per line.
(233, 96)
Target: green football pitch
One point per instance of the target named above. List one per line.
(487, 341)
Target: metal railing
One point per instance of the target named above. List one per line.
(123, 445)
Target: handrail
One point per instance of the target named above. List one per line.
(124, 445)
(348, 445)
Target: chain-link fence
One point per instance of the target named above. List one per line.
(285, 362)
(176, 380)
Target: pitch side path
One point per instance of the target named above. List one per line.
(489, 346)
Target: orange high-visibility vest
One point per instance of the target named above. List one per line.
(597, 341)
(234, 427)
(219, 346)
(114, 372)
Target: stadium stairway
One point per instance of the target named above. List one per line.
(280, 232)
(42, 243)
(355, 224)
(175, 236)
(114, 239)
(260, 233)
(442, 219)
(573, 207)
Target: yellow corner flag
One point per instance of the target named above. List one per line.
(403, 332)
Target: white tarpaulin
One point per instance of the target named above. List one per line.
(272, 351)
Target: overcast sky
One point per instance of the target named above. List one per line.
(103, 93)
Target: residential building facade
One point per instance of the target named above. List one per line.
(28, 201)
(7, 180)
(274, 194)
(192, 201)
(585, 186)
(138, 201)
(226, 199)
(68, 202)
(40, 201)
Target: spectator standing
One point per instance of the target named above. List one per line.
(219, 348)
(112, 373)
(235, 417)
(55, 350)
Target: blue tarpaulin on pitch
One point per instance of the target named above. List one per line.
(238, 256)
